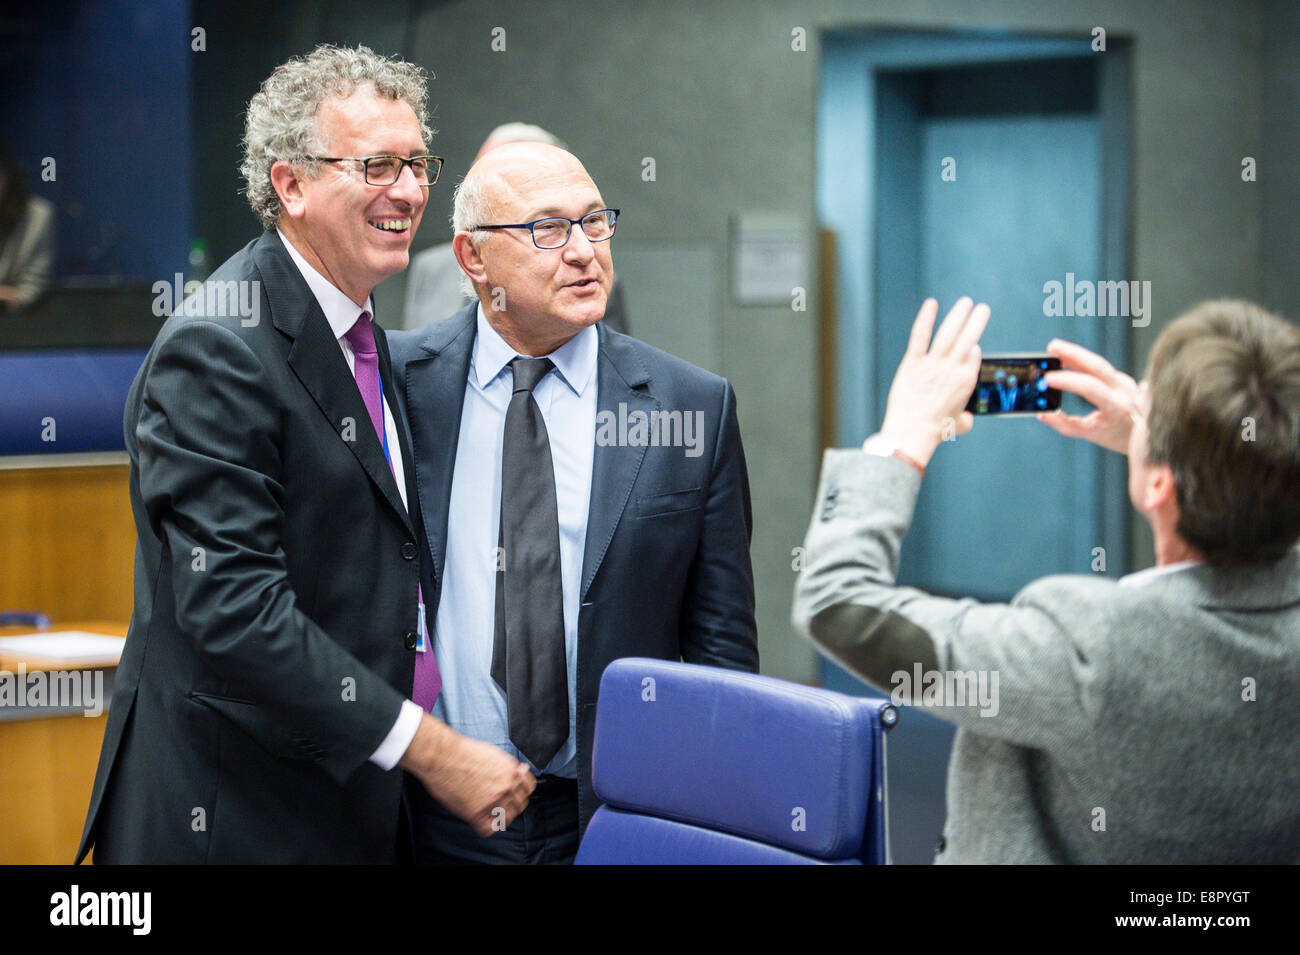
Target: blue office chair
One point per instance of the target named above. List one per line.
(700, 765)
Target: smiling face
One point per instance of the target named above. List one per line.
(353, 233)
(549, 294)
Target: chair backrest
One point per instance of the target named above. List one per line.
(55, 402)
(698, 764)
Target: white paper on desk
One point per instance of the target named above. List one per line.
(67, 646)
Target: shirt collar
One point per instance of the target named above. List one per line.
(1143, 577)
(340, 311)
(575, 360)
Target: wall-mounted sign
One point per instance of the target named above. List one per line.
(769, 258)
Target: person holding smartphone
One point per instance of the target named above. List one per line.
(1146, 720)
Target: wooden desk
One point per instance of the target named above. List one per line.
(47, 764)
(67, 538)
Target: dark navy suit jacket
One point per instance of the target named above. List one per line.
(666, 570)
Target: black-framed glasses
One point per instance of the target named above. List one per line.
(384, 170)
(553, 231)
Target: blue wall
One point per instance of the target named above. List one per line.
(103, 87)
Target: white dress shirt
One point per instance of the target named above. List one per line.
(1140, 578)
(342, 313)
(471, 702)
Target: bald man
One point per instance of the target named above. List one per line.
(624, 525)
(435, 285)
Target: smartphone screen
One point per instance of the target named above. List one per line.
(1014, 384)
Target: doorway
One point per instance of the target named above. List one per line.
(986, 165)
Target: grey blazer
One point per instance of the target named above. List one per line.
(1151, 721)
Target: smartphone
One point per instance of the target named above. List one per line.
(1015, 385)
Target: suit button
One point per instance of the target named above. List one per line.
(408, 551)
(942, 845)
(409, 640)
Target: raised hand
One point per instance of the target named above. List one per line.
(935, 379)
(1112, 393)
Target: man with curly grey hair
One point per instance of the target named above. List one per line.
(277, 669)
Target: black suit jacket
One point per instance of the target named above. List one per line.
(276, 579)
(666, 570)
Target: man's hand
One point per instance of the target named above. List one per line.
(1095, 380)
(935, 379)
(475, 781)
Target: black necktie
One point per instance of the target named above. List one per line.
(528, 660)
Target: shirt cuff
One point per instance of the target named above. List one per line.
(879, 447)
(399, 737)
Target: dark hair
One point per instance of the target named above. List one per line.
(1225, 417)
(13, 194)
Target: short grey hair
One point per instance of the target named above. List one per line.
(281, 119)
(470, 208)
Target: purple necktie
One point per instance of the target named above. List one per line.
(428, 680)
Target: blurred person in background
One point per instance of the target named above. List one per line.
(26, 238)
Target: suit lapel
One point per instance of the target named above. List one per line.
(317, 360)
(434, 383)
(621, 380)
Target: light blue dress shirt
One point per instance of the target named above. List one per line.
(470, 702)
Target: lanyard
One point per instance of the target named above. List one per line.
(383, 421)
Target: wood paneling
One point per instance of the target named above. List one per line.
(67, 541)
(48, 769)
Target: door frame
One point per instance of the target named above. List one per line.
(846, 168)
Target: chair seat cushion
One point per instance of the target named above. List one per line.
(619, 838)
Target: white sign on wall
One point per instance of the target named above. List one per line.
(769, 258)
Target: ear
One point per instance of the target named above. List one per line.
(1158, 491)
(471, 262)
(288, 182)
